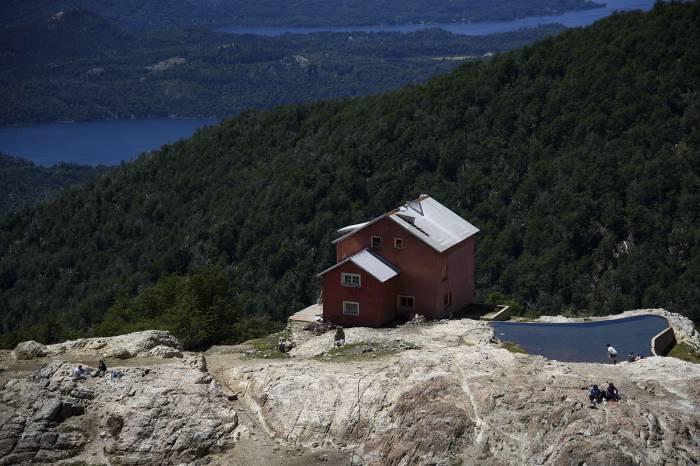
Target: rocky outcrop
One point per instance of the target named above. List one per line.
(457, 398)
(136, 344)
(424, 393)
(168, 414)
(30, 350)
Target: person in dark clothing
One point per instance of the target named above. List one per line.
(595, 395)
(611, 393)
(339, 336)
(101, 369)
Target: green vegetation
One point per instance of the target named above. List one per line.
(360, 351)
(24, 184)
(200, 309)
(82, 67)
(513, 347)
(266, 348)
(159, 14)
(685, 352)
(578, 158)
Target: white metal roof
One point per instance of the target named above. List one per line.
(428, 220)
(370, 263)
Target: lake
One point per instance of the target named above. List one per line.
(106, 142)
(584, 342)
(569, 19)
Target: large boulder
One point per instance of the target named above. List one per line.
(136, 344)
(159, 415)
(162, 351)
(30, 350)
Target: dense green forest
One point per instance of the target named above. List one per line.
(24, 184)
(159, 14)
(80, 66)
(578, 158)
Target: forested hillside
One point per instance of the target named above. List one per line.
(159, 14)
(578, 158)
(24, 184)
(78, 66)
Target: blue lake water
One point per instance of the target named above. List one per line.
(584, 342)
(105, 142)
(570, 19)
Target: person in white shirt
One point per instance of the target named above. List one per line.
(79, 373)
(612, 353)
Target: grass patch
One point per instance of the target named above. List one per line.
(265, 348)
(513, 347)
(685, 352)
(362, 351)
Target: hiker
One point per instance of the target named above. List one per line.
(595, 395)
(631, 357)
(79, 373)
(611, 393)
(101, 369)
(285, 346)
(339, 336)
(612, 353)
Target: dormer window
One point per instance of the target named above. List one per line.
(398, 243)
(375, 242)
(351, 280)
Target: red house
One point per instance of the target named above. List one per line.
(418, 258)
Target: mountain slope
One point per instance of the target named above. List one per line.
(78, 66)
(22, 183)
(158, 14)
(578, 158)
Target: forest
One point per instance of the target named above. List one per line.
(80, 66)
(578, 158)
(24, 184)
(162, 14)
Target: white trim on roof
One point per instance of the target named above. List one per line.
(370, 263)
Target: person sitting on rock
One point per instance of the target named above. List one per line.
(339, 336)
(101, 369)
(611, 393)
(595, 395)
(631, 357)
(79, 373)
(285, 346)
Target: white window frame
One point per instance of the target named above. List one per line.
(350, 283)
(346, 312)
(398, 243)
(371, 241)
(406, 308)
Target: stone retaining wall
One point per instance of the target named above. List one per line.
(662, 343)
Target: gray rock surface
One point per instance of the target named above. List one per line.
(30, 350)
(458, 399)
(136, 344)
(167, 414)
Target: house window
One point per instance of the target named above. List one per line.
(444, 272)
(351, 308)
(447, 299)
(350, 279)
(398, 243)
(376, 241)
(406, 302)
